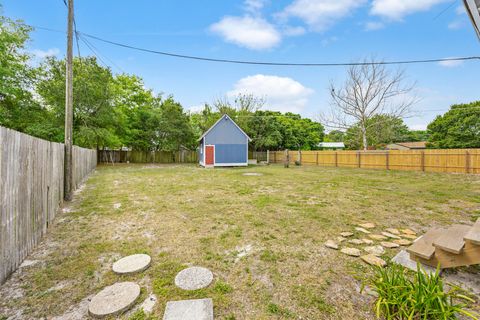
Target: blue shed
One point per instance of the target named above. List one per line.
(225, 144)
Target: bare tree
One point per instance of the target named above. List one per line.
(370, 89)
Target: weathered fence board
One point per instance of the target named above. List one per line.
(31, 190)
(430, 160)
(116, 156)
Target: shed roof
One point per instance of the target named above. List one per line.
(412, 145)
(225, 116)
(331, 145)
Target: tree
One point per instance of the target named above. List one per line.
(383, 130)
(18, 108)
(370, 90)
(457, 128)
(93, 121)
(335, 136)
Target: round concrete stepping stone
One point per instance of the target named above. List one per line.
(132, 264)
(331, 244)
(351, 252)
(346, 234)
(362, 230)
(375, 250)
(114, 299)
(253, 174)
(373, 260)
(387, 244)
(193, 278)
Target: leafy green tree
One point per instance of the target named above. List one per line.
(265, 130)
(18, 108)
(382, 130)
(335, 136)
(457, 128)
(418, 135)
(94, 123)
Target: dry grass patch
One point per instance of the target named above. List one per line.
(262, 236)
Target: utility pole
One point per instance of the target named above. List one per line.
(68, 170)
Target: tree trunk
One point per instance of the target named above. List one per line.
(364, 137)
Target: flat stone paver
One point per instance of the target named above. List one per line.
(393, 230)
(355, 241)
(363, 230)
(351, 252)
(346, 234)
(410, 236)
(193, 278)
(389, 245)
(367, 241)
(114, 299)
(132, 264)
(390, 235)
(331, 244)
(408, 231)
(375, 250)
(377, 237)
(198, 309)
(373, 260)
(341, 239)
(403, 242)
(367, 225)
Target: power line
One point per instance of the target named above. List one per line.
(266, 63)
(445, 10)
(98, 54)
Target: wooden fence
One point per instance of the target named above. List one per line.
(429, 160)
(31, 190)
(116, 156)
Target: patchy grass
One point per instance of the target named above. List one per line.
(184, 215)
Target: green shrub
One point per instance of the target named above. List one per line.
(422, 296)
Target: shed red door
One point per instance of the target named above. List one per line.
(209, 155)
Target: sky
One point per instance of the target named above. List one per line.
(301, 31)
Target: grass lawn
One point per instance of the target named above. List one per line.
(262, 236)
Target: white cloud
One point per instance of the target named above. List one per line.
(42, 54)
(254, 6)
(397, 9)
(293, 31)
(196, 108)
(320, 14)
(281, 93)
(251, 32)
(451, 63)
(373, 25)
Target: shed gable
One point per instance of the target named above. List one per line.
(225, 131)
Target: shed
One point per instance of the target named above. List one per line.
(407, 145)
(331, 145)
(225, 144)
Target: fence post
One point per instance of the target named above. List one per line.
(467, 161)
(275, 157)
(336, 158)
(316, 161)
(423, 161)
(286, 160)
(268, 156)
(358, 159)
(387, 160)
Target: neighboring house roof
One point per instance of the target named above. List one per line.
(411, 145)
(331, 145)
(225, 116)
